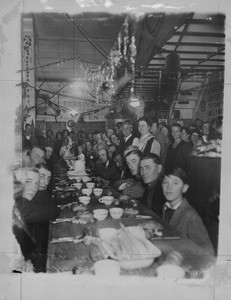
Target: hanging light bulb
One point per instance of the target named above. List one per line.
(134, 101)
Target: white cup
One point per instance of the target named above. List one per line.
(100, 214)
(86, 192)
(97, 191)
(85, 199)
(86, 179)
(116, 212)
(107, 200)
(90, 185)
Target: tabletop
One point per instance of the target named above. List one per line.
(70, 256)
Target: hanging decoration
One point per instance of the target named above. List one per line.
(105, 76)
(134, 101)
(37, 89)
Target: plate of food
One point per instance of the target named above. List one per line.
(83, 217)
(152, 229)
(78, 207)
(131, 211)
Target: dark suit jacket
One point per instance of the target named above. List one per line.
(178, 156)
(27, 144)
(39, 210)
(154, 198)
(163, 143)
(190, 226)
(36, 214)
(129, 142)
(109, 172)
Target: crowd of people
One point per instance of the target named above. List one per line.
(146, 161)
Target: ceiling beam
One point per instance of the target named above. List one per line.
(77, 39)
(203, 34)
(185, 59)
(193, 52)
(196, 44)
(209, 56)
(195, 62)
(184, 30)
(218, 21)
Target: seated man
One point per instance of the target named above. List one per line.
(34, 156)
(106, 168)
(44, 176)
(42, 197)
(132, 186)
(128, 136)
(119, 162)
(179, 213)
(36, 209)
(150, 171)
(112, 149)
(26, 183)
(50, 157)
(179, 152)
(155, 130)
(90, 156)
(29, 139)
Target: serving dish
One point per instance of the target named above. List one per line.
(129, 247)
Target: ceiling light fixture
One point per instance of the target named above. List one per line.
(134, 101)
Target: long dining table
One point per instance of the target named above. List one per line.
(69, 256)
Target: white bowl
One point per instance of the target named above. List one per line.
(100, 214)
(90, 185)
(106, 267)
(97, 192)
(116, 212)
(86, 192)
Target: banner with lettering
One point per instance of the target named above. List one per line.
(68, 98)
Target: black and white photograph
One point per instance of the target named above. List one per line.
(115, 163)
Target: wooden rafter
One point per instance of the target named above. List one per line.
(184, 31)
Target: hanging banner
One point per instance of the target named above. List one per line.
(63, 96)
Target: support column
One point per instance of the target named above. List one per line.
(28, 76)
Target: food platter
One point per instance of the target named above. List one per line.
(130, 247)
